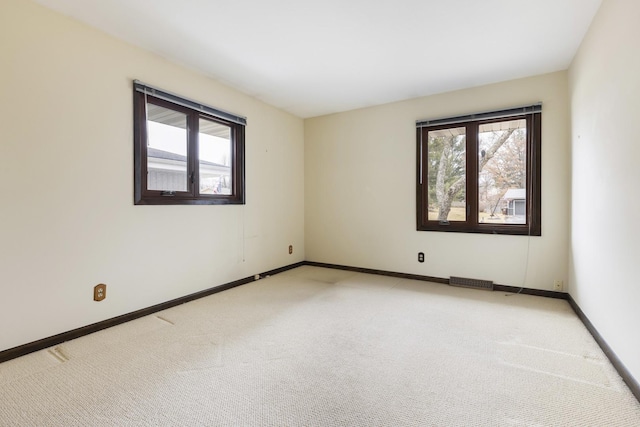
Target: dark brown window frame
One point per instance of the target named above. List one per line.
(143, 95)
(533, 226)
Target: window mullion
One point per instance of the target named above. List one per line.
(533, 174)
(192, 161)
(141, 132)
(472, 175)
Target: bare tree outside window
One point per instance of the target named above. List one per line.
(447, 172)
(501, 167)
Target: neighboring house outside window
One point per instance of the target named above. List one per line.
(515, 200)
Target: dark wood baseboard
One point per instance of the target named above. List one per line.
(496, 287)
(378, 272)
(22, 350)
(530, 291)
(628, 379)
(282, 269)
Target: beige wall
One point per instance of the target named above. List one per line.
(605, 242)
(360, 203)
(67, 219)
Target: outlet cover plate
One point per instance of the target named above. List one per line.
(100, 292)
(557, 285)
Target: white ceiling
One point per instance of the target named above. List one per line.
(318, 57)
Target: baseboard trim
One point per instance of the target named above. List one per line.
(530, 291)
(282, 269)
(496, 287)
(628, 379)
(31, 347)
(379, 272)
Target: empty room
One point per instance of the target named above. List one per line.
(337, 213)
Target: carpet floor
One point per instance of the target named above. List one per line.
(322, 347)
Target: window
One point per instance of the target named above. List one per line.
(480, 173)
(185, 152)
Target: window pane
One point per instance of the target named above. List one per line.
(214, 151)
(166, 149)
(502, 172)
(447, 174)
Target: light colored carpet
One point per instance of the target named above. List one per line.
(321, 347)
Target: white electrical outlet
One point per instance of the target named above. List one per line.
(557, 285)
